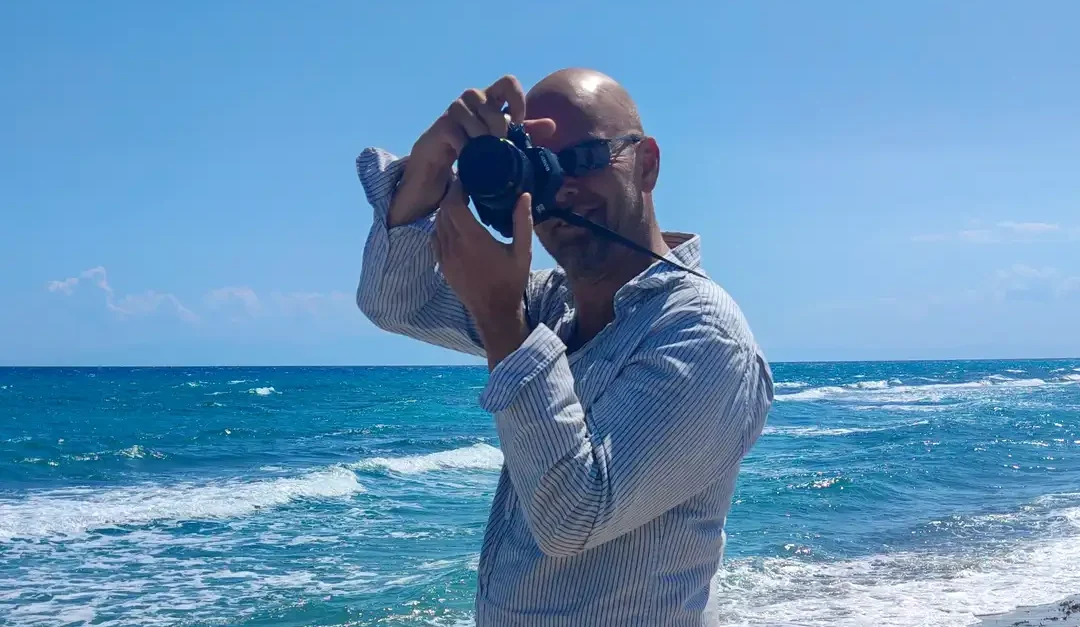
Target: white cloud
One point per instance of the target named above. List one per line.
(99, 277)
(311, 303)
(96, 275)
(1024, 282)
(66, 286)
(1006, 231)
(240, 303)
(978, 235)
(226, 296)
(246, 304)
(1031, 228)
(149, 302)
(127, 305)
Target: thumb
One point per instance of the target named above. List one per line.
(523, 226)
(540, 129)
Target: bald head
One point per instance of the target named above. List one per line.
(583, 103)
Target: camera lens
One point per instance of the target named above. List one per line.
(494, 172)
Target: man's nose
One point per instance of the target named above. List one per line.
(565, 196)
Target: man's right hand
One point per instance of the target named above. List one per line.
(429, 168)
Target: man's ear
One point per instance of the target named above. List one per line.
(649, 154)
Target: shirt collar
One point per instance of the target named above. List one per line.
(685, 249)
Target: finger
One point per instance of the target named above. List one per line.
(461, 115)
(461, 222)
(541, 129)
(523, 226)
(507, 89)
(451, 133)
(464, 224)
(444, 226)
(490, 115)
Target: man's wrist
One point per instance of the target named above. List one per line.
(502, 333)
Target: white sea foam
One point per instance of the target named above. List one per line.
(813, 432)
(922, 409)
(147, 590)
(900, 589)
(266, 391)
(790, 384)
(478, 456)
(134, 452)
(894, 391)
(77, 510)
(138, 576)
(813, 394)
(868, 385)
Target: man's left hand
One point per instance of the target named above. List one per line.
(487, 275)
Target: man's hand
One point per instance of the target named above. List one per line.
(476, 112)
(488, 276)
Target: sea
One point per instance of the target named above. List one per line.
(891, 493)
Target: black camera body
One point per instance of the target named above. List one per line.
(496, 171)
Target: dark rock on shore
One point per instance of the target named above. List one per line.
(1063, 613)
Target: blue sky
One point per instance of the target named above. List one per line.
(870, 181)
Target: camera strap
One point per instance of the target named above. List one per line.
(572, 218)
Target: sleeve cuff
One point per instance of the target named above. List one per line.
(537, 353)
(379, 172)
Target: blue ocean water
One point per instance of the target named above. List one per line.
(914, 493)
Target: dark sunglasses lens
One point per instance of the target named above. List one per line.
(584, 158)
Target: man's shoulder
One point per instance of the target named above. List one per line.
(692, 300)
(705, 309)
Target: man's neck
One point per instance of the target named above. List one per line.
(594, 297)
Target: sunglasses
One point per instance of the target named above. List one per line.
(594, 154)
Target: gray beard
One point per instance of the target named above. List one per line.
(589, 260)
(598, 256)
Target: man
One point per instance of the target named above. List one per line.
(625, 391)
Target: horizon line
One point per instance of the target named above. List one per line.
(481, 365)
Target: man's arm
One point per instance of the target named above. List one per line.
(401, 290)
(683, 411)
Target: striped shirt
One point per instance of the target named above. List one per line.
(620, 458)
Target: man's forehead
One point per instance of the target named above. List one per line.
(573, 121)
(584, 105)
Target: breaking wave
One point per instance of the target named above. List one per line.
(478, 456)
(77, 510)
(902, 588)
(895, 391)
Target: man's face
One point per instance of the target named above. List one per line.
(609, 197)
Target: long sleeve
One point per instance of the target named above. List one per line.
(401, 290)
(683, 411)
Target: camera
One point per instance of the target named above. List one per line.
(496, 171)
